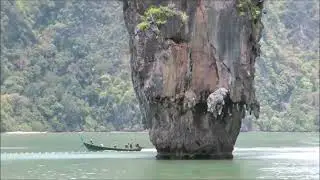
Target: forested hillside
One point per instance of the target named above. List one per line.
(65, 67)
(287, 78)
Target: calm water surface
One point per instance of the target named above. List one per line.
(60, 156)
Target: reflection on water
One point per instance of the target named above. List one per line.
(289, 153)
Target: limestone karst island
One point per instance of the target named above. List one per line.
(193, 67)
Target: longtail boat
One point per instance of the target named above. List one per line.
(92, 147)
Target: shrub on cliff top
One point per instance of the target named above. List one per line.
(249, 6)
(159, 15)
(143, 26)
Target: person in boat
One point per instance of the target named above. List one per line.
(131, 146)
(114, 146)
(126, 146)
(137, 146)
(91, 141)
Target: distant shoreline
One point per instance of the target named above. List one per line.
(24, 132)
(120, 132)
(37, 132)
(145, 131)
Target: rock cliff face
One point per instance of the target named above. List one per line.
(194, 76)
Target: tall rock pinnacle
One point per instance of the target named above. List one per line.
(192, 65)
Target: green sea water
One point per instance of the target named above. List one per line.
(257, 155)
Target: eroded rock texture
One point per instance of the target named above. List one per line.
(194, 80)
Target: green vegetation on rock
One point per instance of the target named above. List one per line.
(159, 15)
(143, 26)
(249, 6)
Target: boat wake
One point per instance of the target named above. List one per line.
(74, 155)
(149, 150)
(294, 153)
(12, 148)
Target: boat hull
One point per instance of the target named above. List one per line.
(92, 147)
